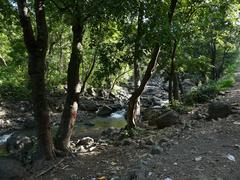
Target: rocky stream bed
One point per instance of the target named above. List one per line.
(202, 144)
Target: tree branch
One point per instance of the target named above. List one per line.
(25, 22)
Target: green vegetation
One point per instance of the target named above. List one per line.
(208, 91)
(46, 46)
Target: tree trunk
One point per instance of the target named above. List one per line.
(175, 87)
(90, 71)
(213, 53)
(137, 57)
(40, 108)
(174, 77)
(37, 48)
(73, 90)
(131, 112)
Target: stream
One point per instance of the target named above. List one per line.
(98, 124)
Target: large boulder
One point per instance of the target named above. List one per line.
(86, 141)
(156, 118)
(168, 119)
(219, 110)
(104, 111)
(11, 169)
(151, 114)
(18, 143)
(88, 105)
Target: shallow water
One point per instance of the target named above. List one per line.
(100, 124)
(115, 120)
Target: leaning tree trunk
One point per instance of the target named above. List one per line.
(73, 90)
(137, 57)
(37, 48)
(131, 113)
(90, 71)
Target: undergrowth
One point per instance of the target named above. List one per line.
(210, 90)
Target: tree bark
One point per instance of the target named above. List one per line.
(173, 81)
(149, 71)
(90, 71)
(37, 48)
(213, 54)
(137, 57)
(137, 93)
(69, 115)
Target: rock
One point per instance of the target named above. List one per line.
(116, 107)
(218, 110)
(151, 115)
(135, 175)
(187, 85)
(150, 142)
(81, 149)
(102, 93)
(168, 119)
(91, 92)
(156, 150)
(1, 123)
(29, 123)
(126, 142)
(11, 169)
(163, 140)
(89, 123)
(17, 143)
(104, 111)
(88, 105)
(110, 132)
(86, 141)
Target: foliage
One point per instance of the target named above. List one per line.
(110, 35)
(208, 91)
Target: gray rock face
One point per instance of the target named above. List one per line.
(218, 110)
(104, 111)
(11, 169)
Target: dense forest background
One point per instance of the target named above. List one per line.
(77, 47)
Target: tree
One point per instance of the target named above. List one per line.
(37, 47)
(131, 113)
(69, 115)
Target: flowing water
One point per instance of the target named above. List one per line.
(99, 124)
(115, 120)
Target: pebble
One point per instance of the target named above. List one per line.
(156, 150)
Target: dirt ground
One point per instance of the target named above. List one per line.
(197, 150)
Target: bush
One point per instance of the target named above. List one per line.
(208, 91)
